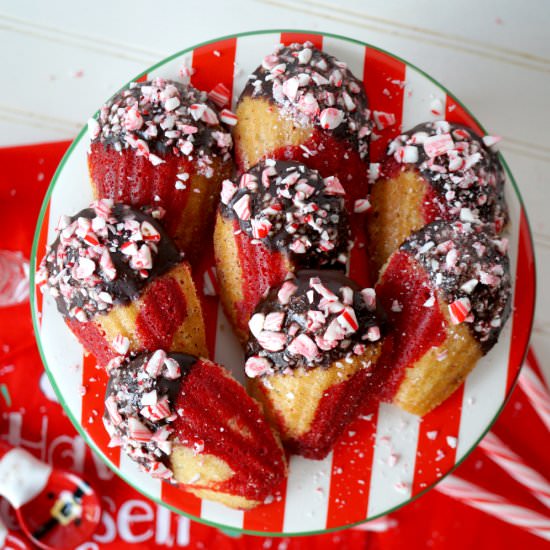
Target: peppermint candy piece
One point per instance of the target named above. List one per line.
(260, 228)
(155, 364)
(133, 120)
(408, 154)
(315, 320)
(93, 128)
(160, 471)
(373, 334)
(138, 431)
(209, 116)
(257, 366)
(333, 186)
(321, 289)
(112, 408)
(304, 56)
(305, 346)
(121, 344)
(331, 118)
(197, 110)
(149, 232)
(107, 266)
(361, 205)
(489, 141)
(242, 207)
(308, 104)
(142, 259)
(228, 117)
(219, 95)
(228, 191)
(348, 320)
(256, 324)
(334, 332)
(274, 321)
(172, 369)
(172, 103)
(459, 310)
(157, 411)
(290, 88)
(286, 291)
(383, 120)
(271, 341)
(85, 268)
(438, 144)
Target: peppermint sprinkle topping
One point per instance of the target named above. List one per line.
(466, 174)
(140, 408)
(313, 320)
(104, 255)
(313, 88)
(292, 208)
(163, 117)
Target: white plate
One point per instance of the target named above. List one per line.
(356, 481)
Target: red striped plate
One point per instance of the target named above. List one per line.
(357, 481)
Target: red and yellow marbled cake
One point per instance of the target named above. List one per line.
(161, 143)
(186, 420)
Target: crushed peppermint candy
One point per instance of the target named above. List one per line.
(470, 269)
(324, 318)
(292, 208)
(313, 88)
(103, 256)
(161, 117)
(140, 408)
(460, 166)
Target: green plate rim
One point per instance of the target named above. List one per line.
(36, 326)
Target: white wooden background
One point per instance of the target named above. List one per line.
(61, 59)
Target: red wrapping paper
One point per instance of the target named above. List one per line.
(31, 418)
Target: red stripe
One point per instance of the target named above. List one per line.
(288, 38)
(211, 68)
(351, 472)
(533, 362)
(269, 517)
(94, 382)
(358, 259)
(142, 78)
(40, 251)
(435, 457)
(353, 454)
(524, 301)
(209, 304)
(454, 112)
(180, 499)
(383, 77)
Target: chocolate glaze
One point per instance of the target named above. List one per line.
(324, 82)
(127, 385)
(162, 117)
(369, 320)
(454, 256)
(464, 192)
(84, 295)
(313, 231)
